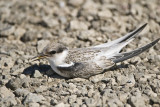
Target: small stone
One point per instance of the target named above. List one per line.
(37, 74)
(96, 78)
(53, 102)
(46, 35)
(79, 101)
(7, 97)
(60, 105)
(13, 84)
(6, 62)
(77, 80)
(105, 14)
(155, 100)
(22, 76)
(122, 80)
(87, 35)
(41, 44)
(77, 25)
(29, 36)
(123, 97)
(41, 89)
(72, 88)
(67, 40)
(50, 22)
(33, 98)
(19, 32)
(4, 92)
(18, 71)
(8, 32)
(72, 99)
(137, 101)
(34, 105)
(90, 102)
(21, 92)
(49, 79)
(75, 2)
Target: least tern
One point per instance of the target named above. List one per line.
(86, 62)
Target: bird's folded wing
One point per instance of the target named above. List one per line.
(122, 39)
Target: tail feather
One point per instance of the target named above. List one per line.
(126, 55)
(122, 39)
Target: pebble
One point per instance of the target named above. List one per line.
(78, 25)
(19, 32)
(137, 101)
(7, 97)
(60, 105)
(41, 44)
(105, 14)
(33, 98)
(37, 74)
(33, 105)
(14, 83)
(50, 22)
(96, 78)
(21, 92)
(29, 36)
(75, 2)
(41, 89)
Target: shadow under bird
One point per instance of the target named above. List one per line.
(86, 62)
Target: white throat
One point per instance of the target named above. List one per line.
(59, 59)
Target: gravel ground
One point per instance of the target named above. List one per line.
(77, 23)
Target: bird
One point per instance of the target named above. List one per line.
(93, 60)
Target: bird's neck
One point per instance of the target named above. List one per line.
(59, 59)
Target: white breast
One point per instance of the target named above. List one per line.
(58, 59)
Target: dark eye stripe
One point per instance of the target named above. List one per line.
(52, 52)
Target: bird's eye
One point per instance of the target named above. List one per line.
(52, 52)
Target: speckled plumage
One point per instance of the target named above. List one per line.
(85, 65)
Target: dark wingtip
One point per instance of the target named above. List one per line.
(155, 41)
(143, 26)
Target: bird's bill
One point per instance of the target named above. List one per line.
(38, 57)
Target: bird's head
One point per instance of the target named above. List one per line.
(51, 51)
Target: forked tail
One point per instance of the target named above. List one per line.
(126, 55)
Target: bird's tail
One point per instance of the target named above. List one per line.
(119, 57)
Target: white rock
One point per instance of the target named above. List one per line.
(37, 74)
(34, 105)
(105, 14)
(50, 22)
(76, 2)
(33, 98)
(19, 32)
(4, 92)
(60, 105)
(77, 25)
